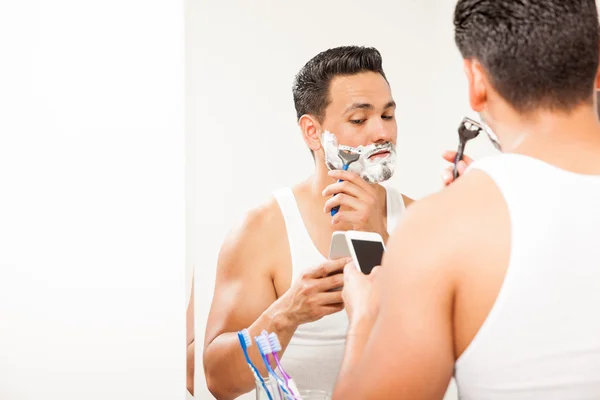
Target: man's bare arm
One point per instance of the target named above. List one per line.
(434, 294)
(407, 353)
(191, 366)
(244, 297)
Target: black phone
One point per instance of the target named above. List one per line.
(368, 254)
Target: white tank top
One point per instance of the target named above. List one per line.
(541, 339)
(314, 355)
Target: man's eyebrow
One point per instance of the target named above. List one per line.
(359, 106)
(367, 106)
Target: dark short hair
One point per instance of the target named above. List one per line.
(537, 53)
(311, 85)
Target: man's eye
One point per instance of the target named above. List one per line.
(357, 121)
(387, 117)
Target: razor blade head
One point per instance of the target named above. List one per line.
(469, 129)
(348, 154)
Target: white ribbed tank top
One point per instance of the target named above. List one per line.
(541, 339)
(314, 355)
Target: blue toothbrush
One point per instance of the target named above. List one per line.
(264, 347)
(245, 342)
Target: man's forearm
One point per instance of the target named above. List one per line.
(191, 354)
(227, 373)
(356, 340)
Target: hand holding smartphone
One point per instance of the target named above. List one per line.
(365, 248)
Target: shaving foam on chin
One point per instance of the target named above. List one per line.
(372, 171)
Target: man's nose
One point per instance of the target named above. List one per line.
(380, 132)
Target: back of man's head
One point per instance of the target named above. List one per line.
(537, 53)
(311, 85)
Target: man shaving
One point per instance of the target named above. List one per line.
(273, 272)
(496, 278)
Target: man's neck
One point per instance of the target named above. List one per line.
(550, 135)
(320, 180)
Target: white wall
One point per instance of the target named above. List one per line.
(241, 60)
(92, 299)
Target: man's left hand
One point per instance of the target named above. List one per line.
(360, 205)
(360, 295)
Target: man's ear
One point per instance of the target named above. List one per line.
(477, 81)
(311, 130)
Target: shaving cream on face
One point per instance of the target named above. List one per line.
(496, 141)
(377, 170)
(490, 133)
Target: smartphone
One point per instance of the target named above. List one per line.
(339, 246)
(365, 248)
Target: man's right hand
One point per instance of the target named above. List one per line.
(310, 298)
(447, 174)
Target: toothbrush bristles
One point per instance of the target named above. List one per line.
(263, 344)
(274, 342)
(247, 338)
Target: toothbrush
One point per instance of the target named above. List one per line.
(272, 342)
(348, 155)
(262, 342)
(245, 342)
(275, 348)
(467, 130)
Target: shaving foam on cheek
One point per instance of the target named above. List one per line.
(374, 170)
(331, 148)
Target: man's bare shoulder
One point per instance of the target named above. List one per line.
(258, 236)
(466, 193)
(455, 221)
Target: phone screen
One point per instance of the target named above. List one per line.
(368, 254)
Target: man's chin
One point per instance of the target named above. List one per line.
(381, 175)
(387, 175)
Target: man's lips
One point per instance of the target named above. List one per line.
(379, 154)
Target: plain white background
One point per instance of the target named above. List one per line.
(242, 137)
(92, 211)
(92, 222)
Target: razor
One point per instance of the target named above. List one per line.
(468, 129)
(348, 155)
